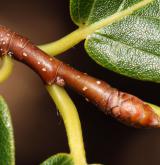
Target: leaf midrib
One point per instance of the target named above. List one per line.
(93, 6)
(118, 10)
(124, 43)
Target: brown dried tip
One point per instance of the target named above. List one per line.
(122, 106)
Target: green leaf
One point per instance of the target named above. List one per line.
(59, 159)
(131, 46)
(6, 136)
(87, 12)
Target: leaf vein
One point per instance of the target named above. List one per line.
(121, 5)
(79, 17)
(91, 11)
(124, 43)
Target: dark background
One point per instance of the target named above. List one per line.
(39, 131)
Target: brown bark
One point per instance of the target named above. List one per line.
(122, 106)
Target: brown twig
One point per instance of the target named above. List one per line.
(122, 106)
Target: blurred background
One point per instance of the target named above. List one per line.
(38, 128)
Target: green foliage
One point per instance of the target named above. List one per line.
(87, 12)
(131, 46)
(59, 159)
(6, 136)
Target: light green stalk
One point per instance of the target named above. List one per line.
(6, 68)
(72, 123)
(80, 34)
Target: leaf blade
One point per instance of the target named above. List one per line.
(7, 156)
(88, 12)
(59, 159)
(130, 47)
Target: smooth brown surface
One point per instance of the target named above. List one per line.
(39, 131)
(124, 107)
(22, 49)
